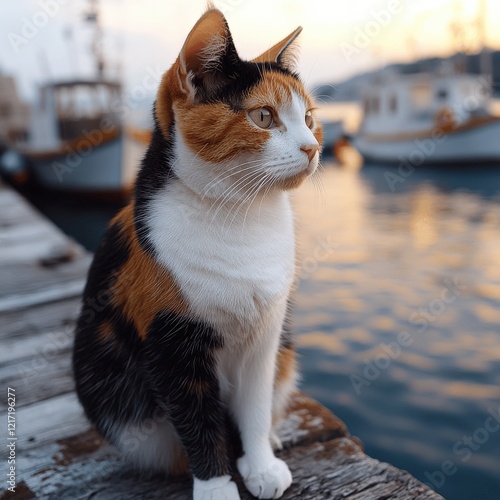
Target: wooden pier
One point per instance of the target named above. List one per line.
(58, 454)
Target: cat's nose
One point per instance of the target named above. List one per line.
(310, 150)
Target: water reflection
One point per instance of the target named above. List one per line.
(422, 259)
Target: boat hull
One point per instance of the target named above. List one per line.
(469, 145)
(108, 168)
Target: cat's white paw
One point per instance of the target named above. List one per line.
(268, 480)
(217, 488)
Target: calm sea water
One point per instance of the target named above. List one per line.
(398, 314)
(398, 318)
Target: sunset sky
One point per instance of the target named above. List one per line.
(340, 38)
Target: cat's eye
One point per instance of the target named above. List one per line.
(262, 117)
(309, 119)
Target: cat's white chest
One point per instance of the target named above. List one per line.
(235, 275)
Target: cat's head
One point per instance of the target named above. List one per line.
(237, 126)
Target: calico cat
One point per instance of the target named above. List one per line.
(183, 327)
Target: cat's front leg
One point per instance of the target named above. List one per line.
(265, 476)
(180, 364)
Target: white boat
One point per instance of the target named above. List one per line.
(78, 143)
(429, 118)
(77, 140)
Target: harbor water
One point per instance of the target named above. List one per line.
(397, 314)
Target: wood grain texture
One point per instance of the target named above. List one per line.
(61, 456)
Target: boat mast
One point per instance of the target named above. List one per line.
(92, 16)
(485, 62)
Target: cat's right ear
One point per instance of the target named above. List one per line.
(206, 57)
(284, 52)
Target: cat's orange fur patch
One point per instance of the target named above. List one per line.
(197, 387)
(286, 367)
(286, 364)
(167, 92)
(180, 463)
(106, 331)
(216, 133)
(143, 288)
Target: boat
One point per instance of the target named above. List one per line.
(79, 144)
(78, 141)
(429, 118)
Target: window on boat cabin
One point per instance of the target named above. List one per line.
(375, 105)
(83, 106)
(420, 95)
(393, 103)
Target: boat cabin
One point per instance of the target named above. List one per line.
(66, 111)
(408, 103)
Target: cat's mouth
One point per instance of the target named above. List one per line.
(294, 176)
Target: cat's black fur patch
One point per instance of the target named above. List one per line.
(179, 356)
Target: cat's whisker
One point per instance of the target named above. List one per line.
(233, 168)
(235, 187)
(232, 171)
(250, 198)
(252, 184)
(242, 183)
(258, 191)
(239, 203)
(319, 187)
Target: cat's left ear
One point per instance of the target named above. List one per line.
(208, 56)
(284, 53)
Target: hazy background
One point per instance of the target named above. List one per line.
(150, 33)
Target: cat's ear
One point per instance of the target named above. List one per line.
(284, 53)
(207, 57)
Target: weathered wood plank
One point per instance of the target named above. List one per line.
(38, 263)
(46, 422)
(32, 241)
(46, 344)
(38, 378)
(334, 467)
(34, 295)
(40, 318)
(13, 209)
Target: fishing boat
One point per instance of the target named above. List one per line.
(78, 143)
(429, 118)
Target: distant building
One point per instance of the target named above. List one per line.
(14, 113)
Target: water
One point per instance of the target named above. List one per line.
(397, 316)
